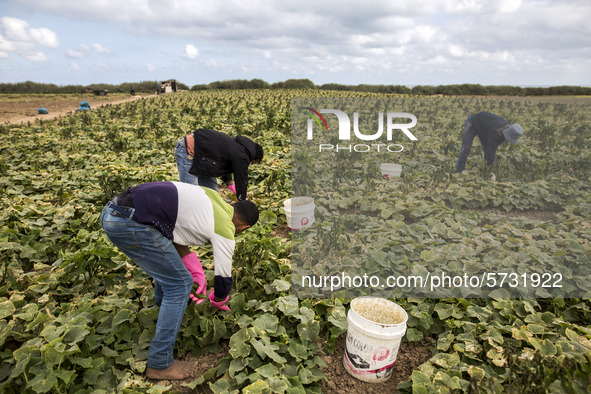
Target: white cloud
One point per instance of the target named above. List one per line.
(482, 6)
(410, 38)
(76, 54)
(438, 60)
(36, 57)
(211, 63)
(16, 36)
(98, 48)
(74, 65)
(191, 52)
(6, 45)
(82, 50)
(45, 37)
(15, 29)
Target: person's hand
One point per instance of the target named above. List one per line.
(232, 187)
(192, 263)
(220, 305)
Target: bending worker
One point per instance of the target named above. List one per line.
(492, 130)
(207, 154)
(154, 224)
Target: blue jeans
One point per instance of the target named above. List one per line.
(183, 163)
(467, 139)
(157, 256)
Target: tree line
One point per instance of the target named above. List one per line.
(448, 90)
(30, 87)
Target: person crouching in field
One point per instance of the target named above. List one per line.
(153, 224)
(206, 154)
(492, 130)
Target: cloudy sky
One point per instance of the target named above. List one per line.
(399, 42)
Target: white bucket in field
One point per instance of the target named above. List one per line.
(390, 170)
(299, 212)
(376, 327)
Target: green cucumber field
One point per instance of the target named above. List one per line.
(77, 316)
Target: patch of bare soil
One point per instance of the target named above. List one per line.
(24, 108)
(203, 364)
(410, 356)
(281, 231)
(535, 215)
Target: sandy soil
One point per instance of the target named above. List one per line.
(281, 231)
(410, 356)
(24, 108)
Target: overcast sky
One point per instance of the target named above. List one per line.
(391, 42)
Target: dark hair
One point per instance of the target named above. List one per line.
(259, 152)
(246, 211)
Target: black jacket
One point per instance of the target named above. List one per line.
(219, 155)
(488, 128)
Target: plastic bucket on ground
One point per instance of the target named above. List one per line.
(372, 345)
(299, 212)
(390, 170)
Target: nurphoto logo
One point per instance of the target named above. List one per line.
(344, 130)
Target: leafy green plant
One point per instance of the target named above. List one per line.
(77, 316)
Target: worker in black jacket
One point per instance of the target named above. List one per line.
(492, 130)
(205, 155)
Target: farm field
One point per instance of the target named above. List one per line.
(19, 108)
(77, 316)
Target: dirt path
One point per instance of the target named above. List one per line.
(24, 108)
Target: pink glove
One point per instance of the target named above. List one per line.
(220, 305)
(193, 264)
(232, 187)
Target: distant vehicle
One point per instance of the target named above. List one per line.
(169, 86)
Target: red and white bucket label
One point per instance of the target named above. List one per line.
(376, 374)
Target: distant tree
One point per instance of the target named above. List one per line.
(258, 84)
(423, 89)
(334, 86)
(200, 87)
(504, 90)
(182, 86)
(294, 84)
(30, 87)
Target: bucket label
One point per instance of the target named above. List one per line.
(381, 354)
(356, 361)
(358, 366)
(358, 344)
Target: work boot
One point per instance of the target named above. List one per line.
(177, 371)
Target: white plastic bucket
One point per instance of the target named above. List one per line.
(371, 348)
(390, 170)
(299, 212)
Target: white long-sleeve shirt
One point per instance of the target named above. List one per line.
(191, 215)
